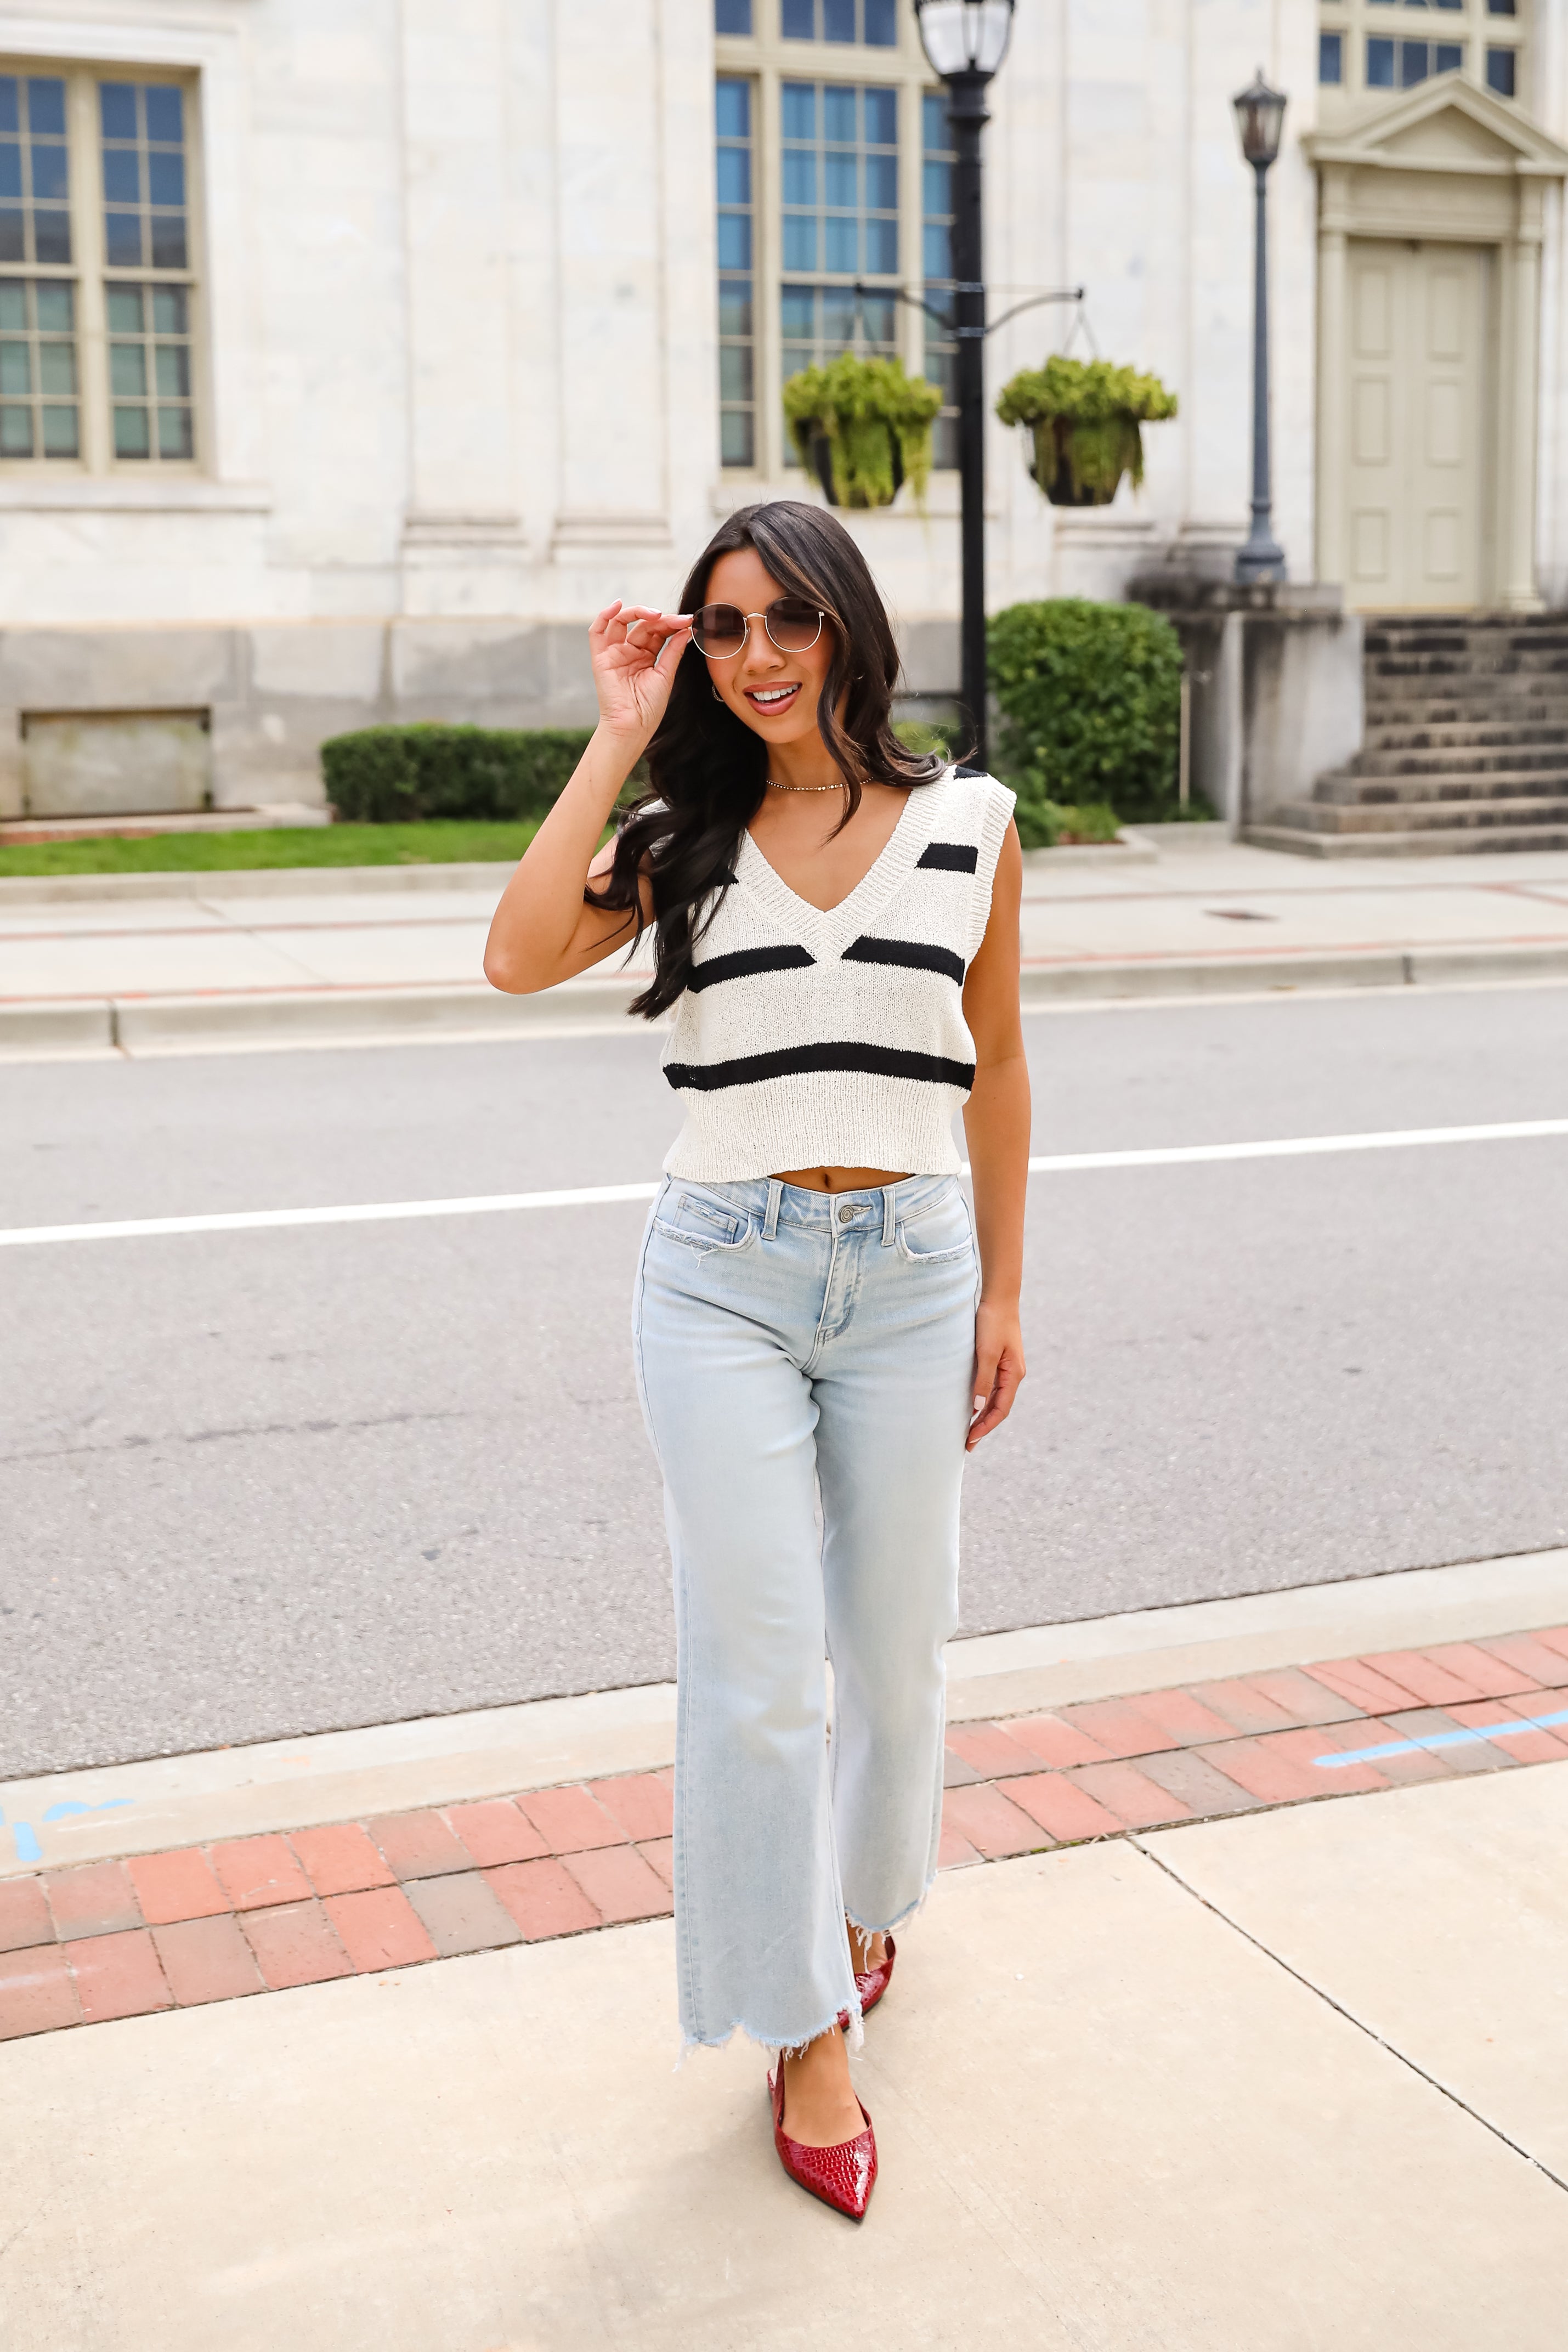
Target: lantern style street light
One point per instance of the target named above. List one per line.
(1260, 115)
(965, 42)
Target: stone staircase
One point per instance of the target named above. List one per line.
(1466, 744)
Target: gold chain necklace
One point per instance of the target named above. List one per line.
(775, 787)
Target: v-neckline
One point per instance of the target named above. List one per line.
(831, 929)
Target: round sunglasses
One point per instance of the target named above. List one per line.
(720, 631)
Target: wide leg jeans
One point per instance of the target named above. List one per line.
(799, 1349)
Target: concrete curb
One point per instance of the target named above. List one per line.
(329, 1776)
(274, 1019)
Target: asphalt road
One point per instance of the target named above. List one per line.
(255, 1485)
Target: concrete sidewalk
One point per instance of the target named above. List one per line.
(1257, 2086)
(1287, 2076)
(221, 962)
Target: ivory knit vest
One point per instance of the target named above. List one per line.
(812, 1040)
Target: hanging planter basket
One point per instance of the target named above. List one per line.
(1085, 421)
(864, 428)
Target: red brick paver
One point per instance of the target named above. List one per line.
(36, 1995)
(259, 1871)
(1353, 1679)
(659, 1854)
(378, 1928)
(1489, 1676)
(179, 1886)
(1182, 1716)
(543, 1898)
(954, 1850)
(340, 1860)
(569, 1819)
(496, 1831)
(1064, 1810)
(989, 1750)
(118, 1976)
(1532, 1746)
(1423, 1676)
(294, 1945)
(206, 1959)
(96, 1898)
(1522, 1651)
(643, 1803)
(1118, 1726)
(1300, 1699)
(1051, 1741)
(24, 1914)
(1138, 1802)
(991, 1823)
(1242, 1701)
(619, 1883)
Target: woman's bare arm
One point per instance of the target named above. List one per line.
(542, 932)
(997, 1126)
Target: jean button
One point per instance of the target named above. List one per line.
(846, 1215)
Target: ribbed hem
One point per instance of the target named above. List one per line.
(824, 1119)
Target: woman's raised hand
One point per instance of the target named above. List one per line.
(635, 650)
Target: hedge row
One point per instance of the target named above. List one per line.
(397, 775)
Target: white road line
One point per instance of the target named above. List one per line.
(582, 1196)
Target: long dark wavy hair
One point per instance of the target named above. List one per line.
(709, 770)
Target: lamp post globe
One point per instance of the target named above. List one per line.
(964, 41)
(1259, 119)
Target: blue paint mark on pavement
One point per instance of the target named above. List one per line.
(1508, 1728)
(27, 1846)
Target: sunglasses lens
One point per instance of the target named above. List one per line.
(793, 624)
(719, 630)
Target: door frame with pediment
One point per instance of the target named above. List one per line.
(1448, 163)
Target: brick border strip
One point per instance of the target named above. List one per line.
(95, 1941)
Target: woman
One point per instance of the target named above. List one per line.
(836, 926)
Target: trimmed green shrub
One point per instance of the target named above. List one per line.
(400, 775)
(1090, 702)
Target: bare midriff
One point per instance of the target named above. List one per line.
(838, 1179)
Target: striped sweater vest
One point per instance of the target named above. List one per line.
(806, 1039)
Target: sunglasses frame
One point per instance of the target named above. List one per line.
(747, 618)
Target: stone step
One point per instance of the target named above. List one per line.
(1348, 788)
(1465, 734)
(1474, 710)
(1438, 843)
(1459, 816)
(1522, 762)
(1546, 660)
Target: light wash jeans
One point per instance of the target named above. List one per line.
(791, 1344)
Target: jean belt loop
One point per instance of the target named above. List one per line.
(770, 1222)
(889, 1196)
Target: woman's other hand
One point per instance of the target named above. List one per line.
(634, 649)
(998, 1369)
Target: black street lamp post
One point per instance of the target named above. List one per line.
(965, 42)
(1260, 114)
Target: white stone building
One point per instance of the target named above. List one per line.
(352, 351)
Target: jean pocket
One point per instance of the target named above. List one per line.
(939, 1232)
(703, 1226)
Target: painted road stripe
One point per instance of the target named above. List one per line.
(1064, 1163)
(1512, 1728)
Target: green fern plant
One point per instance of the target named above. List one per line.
(863, 427)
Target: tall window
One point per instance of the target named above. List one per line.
(820, 186)
(97, 284)
(1371, 46)
(737, 348)
(936, 231)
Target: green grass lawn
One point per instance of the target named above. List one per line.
(434, 844)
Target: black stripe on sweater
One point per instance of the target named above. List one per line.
(745, 963)
(950, 856)
(799, 1061)
(913, 955)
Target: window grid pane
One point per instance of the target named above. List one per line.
(39, 406)
(840, 170)
(1501, 78)
(873, 23)
(149, 371)
(736, 338)
(34, 172)
(937, 256)
(732, 16)
(1362, 47)
(142, 132)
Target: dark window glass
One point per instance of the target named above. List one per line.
(732, 15)
(1448, 57)
(10, 105)
(797, 20)
(1500, 72)
(1379, 65)
(881, 23)
(1331, 56)
(47, 108)
(1499, 7)
(117, 109)
(839, 20)
(1415, 63)
(737, 351)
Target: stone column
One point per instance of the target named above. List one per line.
(1519, 347)
(463, 549)
(1333, 370)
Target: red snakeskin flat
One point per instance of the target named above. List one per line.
(843, 2175)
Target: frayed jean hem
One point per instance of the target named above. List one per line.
(854, 2036)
